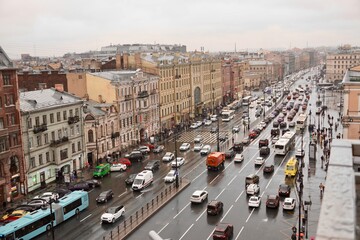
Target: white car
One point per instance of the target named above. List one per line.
(213, 118)
(117, 167)
(145, 149)
(299, 152)
(194, 125)
(263, 124)
(199, 123)
(199, 196)
(207, 122)
(198, 147)
(274, 140)
(185, 147)
(239, 158)
(179, 161)
(205, 150)
(289, 204)
(198, 139)
(253, 189)
(235, 129)
(170, 177)
(259, 126)
(168, 157)
(254, 201)
(112, 213)
(48, 195)
(259, 161)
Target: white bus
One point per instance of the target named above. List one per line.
(227, 115)
(301, 122)
(285, 143)
(246, 100)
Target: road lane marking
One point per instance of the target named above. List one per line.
(186, 231)
(247, 162)
(232, 180)
(250, 215)
(220, 194)
(140, 195)
(123, 193)
(237, 236)
(86, 217)
(181, 210)
(214, 179)
(201, 215)
(199, 175)
(239, 196)
(226, 213)
(163, 228)
(267, 185)
(192, 169)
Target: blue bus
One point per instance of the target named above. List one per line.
(39, 221)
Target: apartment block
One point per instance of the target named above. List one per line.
(338, 63)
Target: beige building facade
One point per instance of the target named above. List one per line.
(337, 64)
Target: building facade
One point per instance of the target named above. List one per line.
(337, 64)
(12, 169)
(52, 136)
(265, 70)
(31, 81)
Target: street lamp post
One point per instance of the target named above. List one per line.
(176, 163)
(218, 134)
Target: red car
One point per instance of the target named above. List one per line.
(125, 161)
(253, 134)
(223, 231)
(150, 146)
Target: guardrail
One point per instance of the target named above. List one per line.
(134, 221)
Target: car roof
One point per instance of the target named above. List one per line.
(213, 203)
(289, 199)
(198, 192)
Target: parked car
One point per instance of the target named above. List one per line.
(125, 161)
(144, 149)
(289, 204)
(259, 161)
(268, 168)
(207, 122)
(130, 179)
(152, 165)
(238, 147)
(230, 153)
(135, 156)
(214, 207)
(205, 150)
(169, 156)
(117, 167)
(223, 231)
(213, 118)
(239, 158)
(62, 192)
(48, 196)
(272, 201)
(185, 147)
(112, 214)
(254, 201)
(37, 203)
(284, 190)
(199, 196)
(158, 149)
(179, 161)
(198, 147)
(194, 125)
(246, 141)
(170, 177)
(105, 196)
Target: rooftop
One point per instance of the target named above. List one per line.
(352, 76)
(5, 61)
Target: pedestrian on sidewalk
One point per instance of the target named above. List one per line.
(322, 161)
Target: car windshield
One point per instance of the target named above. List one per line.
(195, 195)
(138, 181)
(103, 194)
(287, 203)
(217, 232)
(111, 210)
(253, 199)
(170, 174)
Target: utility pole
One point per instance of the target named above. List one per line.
(218, 134)
(176, 163)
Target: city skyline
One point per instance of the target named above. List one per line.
(46, 28)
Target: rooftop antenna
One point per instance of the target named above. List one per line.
(235, 47)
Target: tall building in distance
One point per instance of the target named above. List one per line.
(12, 169)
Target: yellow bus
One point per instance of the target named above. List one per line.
(291, 167)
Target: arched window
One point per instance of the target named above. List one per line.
(101, 131)
(112, 127)
(14, 165)
(90, 136)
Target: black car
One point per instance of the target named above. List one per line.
(283, 125)
(275, 124)
(223, 138)
(105, 196)
(135, 156)
(152, 165)
(62, 192)
(264, 151)
(158, 149)
(93, 183)
(238, 147)
(275, 132)
(213, 130)
(268, 168)
(284, 190)
(229, 153)
(130, 179)
(80, 186)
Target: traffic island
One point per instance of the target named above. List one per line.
(133, 222)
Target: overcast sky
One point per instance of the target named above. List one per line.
(52, 28)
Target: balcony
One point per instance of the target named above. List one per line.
(143, 94)
(128, 97)
(72, 120)
(59, 142)
(40, 128)
(115, 135)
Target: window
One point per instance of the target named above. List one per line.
(31, 143)
(11, 119)
(41, 159)
(76, 112)
(90, 136)
(9, 99)
(3, 144)
(79, 146)
(46, 138)
(38, 140)
(77, 129)
(51, 118)
(59, 134)
(47, 156)
(58, 116)
(6, 79)
(52, 135)
(63, 154)
(32, 162)
(72, 131)
(29, 122)
(1, 123)
(73, 147)
(71, 113)
(14, 139)
(64, 115)
(37, 121)
(44, 119)
(65, 132)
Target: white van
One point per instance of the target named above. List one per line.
(142, 180)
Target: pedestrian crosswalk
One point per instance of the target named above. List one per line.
(207, 136)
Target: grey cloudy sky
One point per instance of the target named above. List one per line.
(52, 28)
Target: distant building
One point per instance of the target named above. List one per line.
(338, 63)
(31, 81)
(12, 169)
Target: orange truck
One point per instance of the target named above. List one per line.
(215, 160)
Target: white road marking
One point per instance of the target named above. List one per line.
(250, 215)
(232, 180)
(267, 185)
(140, 195)
(247, 162)
(123, 193)
(186, 231)
(163, 228)
(220, 194)
(85, 217)
(181, 210)
(239, 196)
(199, 175)
(226, 213)
(201, 214)
(214, 179)
(237, 236)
